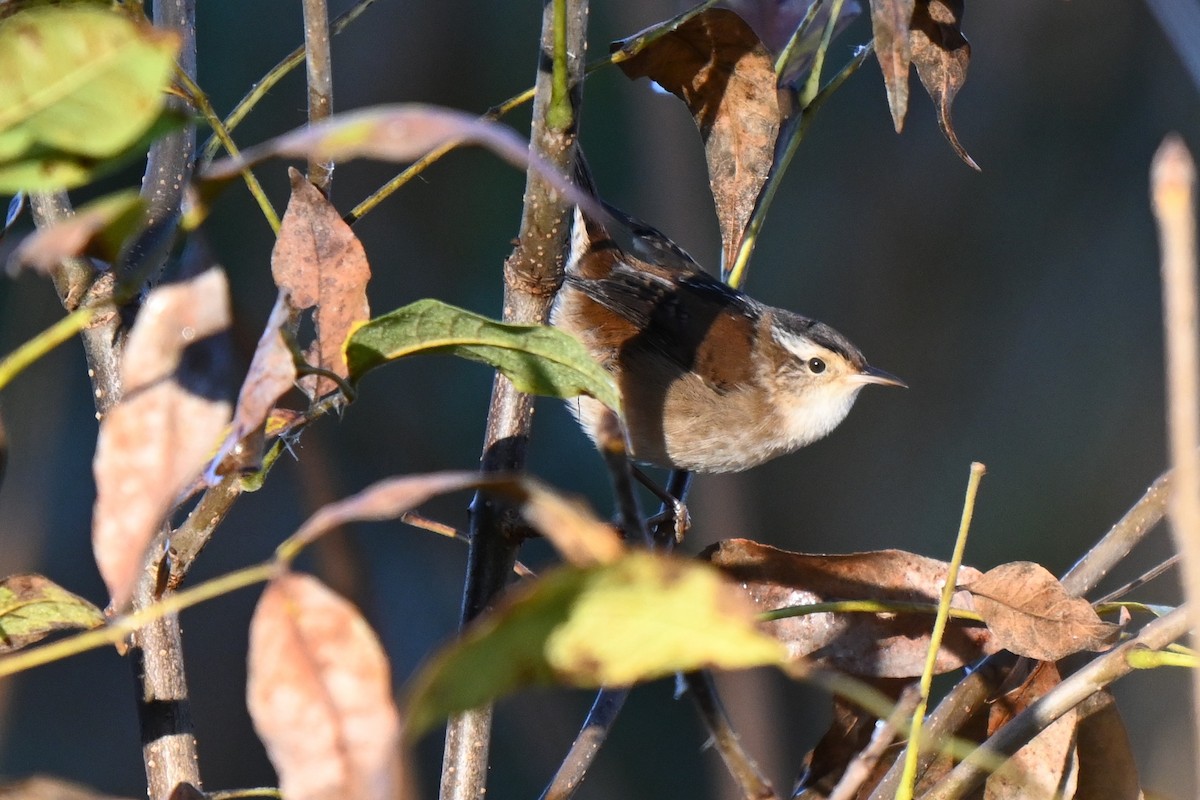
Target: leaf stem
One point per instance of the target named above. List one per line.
(908, 779)
(865, 607)
(121, 627)
(200, 99)
(790, 135)
(273, 77)
(18, 360)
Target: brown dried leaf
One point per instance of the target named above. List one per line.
(1046, 766)
(890, 25)
(848, 733)
(877, 645)
(776, 20)
(272, 372)
(941, 55)
(716, 64)
(154, 443)
(1030, 613)
(319, 692)
(1107, 770)
(319, 263)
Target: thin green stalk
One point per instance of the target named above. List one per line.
(29, 352)
(791, 134)
(274, 76)
(559, 115)
(785, 55)
(116, 631)
(199, 99)
(864, 607)
(813, 84)
(1152, 659)
(908, 779)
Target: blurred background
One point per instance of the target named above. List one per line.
(1020, 304)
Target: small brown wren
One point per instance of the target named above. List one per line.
(711, 380)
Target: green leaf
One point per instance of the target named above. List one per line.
(81, 84)
(641, 617)
(31, 607)
(536, 358)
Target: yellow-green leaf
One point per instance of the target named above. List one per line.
(81, 83)
(638, 618)
(31, 607)
(536, 358)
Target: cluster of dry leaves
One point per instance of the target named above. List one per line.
(320, 689)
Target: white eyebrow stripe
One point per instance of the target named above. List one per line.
(800, 346)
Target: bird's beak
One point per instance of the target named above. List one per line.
(870, 374)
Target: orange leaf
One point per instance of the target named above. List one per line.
(320, 695)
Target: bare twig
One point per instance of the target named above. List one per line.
(908, 779)
(861, 766)
(1096, 675)
(1120, 539)
(752, 784)
(1139, 581)
(1172, 188)
(320, 82)
(168, 165)
(531, 276)
(587, 744)
(274, 76)
(168, 737)
(77, 284)
(968, 695)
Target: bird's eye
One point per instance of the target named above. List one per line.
(816, 365)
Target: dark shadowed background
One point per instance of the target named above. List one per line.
(1021, 305)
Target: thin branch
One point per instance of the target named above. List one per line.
(863, 764)
(791, 133)
(1130, 529)
(587, 744)
(532, 274)
(168, 165)
(78, 285)
(1138, 582)
(908, 780)
(274, 76)
(752, 784)
(1098, 674)
(969, 695)
(168, 736)
(320, 82)
(1172, 189)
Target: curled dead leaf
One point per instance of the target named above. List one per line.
(716, 64)
(319, 263)
(941, 55)
(272, 372)
(1030, 613)
(883, 645)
